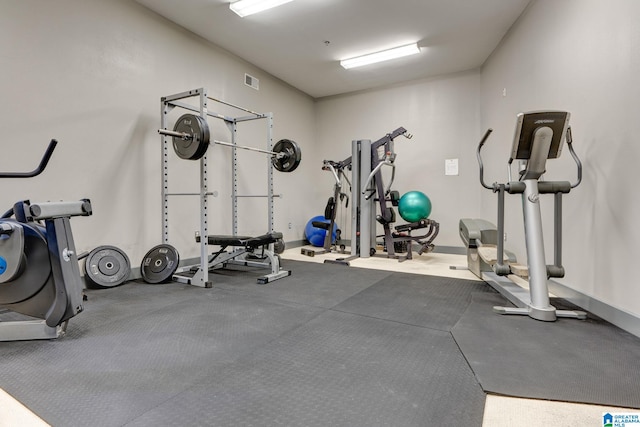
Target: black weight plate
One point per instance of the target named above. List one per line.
(203, 146)
(291, 160)
(159, 264)
(196, 146)
(278, 246)
(107, 267)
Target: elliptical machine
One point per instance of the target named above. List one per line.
(39, 272)
(539, 136)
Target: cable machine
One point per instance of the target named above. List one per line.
(368, 189)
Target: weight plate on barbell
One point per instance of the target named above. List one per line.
(107, 267)
(159, 264)
(197, 141)
(292, 158)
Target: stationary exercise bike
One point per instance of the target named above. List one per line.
(539, 136)
(39, 272)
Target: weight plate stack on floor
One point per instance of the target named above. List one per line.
(107, 267)
(159, 264)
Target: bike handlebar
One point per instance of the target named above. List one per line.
(36, 171)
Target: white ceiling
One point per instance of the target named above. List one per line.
(290, 41)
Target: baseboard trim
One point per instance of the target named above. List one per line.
(620, 318)
(454, 250)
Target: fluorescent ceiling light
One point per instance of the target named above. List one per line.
(249, 7)
(385, 55)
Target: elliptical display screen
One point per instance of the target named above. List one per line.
(526, 126)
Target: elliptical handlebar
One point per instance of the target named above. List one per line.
(482, 142)
(569, 139)
(575, 157)
(37, 171)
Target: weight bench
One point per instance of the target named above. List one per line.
(425, 240)
(250, 252)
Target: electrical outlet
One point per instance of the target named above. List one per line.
(505, 237)
(290, 226)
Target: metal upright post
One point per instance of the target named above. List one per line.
(204, 228)
(234, 179)
(355, 198)
(557, 232)
(270, 225)
(540, 308)
(500, 267)
(164, 167)
(366, 212)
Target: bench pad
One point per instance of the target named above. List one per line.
(246, 241)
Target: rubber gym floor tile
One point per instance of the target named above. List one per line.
(338, 369)
(587, 361)
(428, 301)
(319, 285)
(108, 374)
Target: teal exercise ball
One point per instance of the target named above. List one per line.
(414, 206)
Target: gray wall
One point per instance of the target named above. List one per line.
(443, 116)
(582, 56)
(91, 74)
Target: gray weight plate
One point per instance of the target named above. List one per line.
(107, 267)
(159, 264)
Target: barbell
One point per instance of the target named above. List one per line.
(191, 139)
